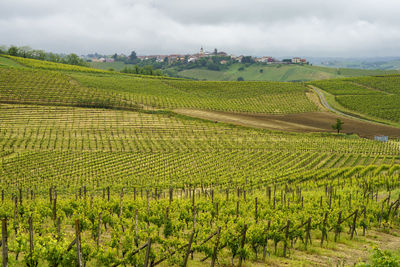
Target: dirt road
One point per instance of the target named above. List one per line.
(302, 122)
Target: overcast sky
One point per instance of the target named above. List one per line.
(251, 27)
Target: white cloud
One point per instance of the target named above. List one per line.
(268, 27)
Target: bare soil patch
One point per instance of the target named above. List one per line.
(303, 122)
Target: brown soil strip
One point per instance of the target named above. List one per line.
(302, 122)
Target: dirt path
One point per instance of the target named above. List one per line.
(302, 122)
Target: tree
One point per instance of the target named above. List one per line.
(338, 125)
(133, 55)
(72, 59)
(215, 51)
(13, 51)
(247, 59)
(240, 79)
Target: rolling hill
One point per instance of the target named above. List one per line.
(256, 72)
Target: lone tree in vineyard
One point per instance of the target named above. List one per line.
(338, 125)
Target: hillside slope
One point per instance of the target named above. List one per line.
(375, 97)
(282, 73)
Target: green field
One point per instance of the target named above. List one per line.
(102, 159)
(278, 72)
(281, 73)
(377, 97)
(117, 66)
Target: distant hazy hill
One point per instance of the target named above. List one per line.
(256, 72)
(382, 63)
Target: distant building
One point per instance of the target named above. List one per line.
(102, 59)
(238, 59)
(265, 59)
(381, 138)
(296, 60)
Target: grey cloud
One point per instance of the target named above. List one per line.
(258, 27)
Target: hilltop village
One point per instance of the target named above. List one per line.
(223, 57)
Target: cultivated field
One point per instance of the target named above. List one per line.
(377, 97)
(96, 167)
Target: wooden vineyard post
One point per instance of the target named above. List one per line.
(337, 232)
(31, 247)
(2, 195)
(274, 196)
(146, 259)
(55, 206)
(108, 193)
(365, 220)
(353, 228)
(20, 196)
(242, 244)
(58, 229)
(214, 257)
(324, 230)
(237, 209)
(308, 234)
(189, 248)
(4, 242)
(170, 195)
(286, 238)
(78, 243)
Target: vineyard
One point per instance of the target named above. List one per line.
(377, 96)
(252, 97)
(97, 171)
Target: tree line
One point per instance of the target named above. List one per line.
(28, 52)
